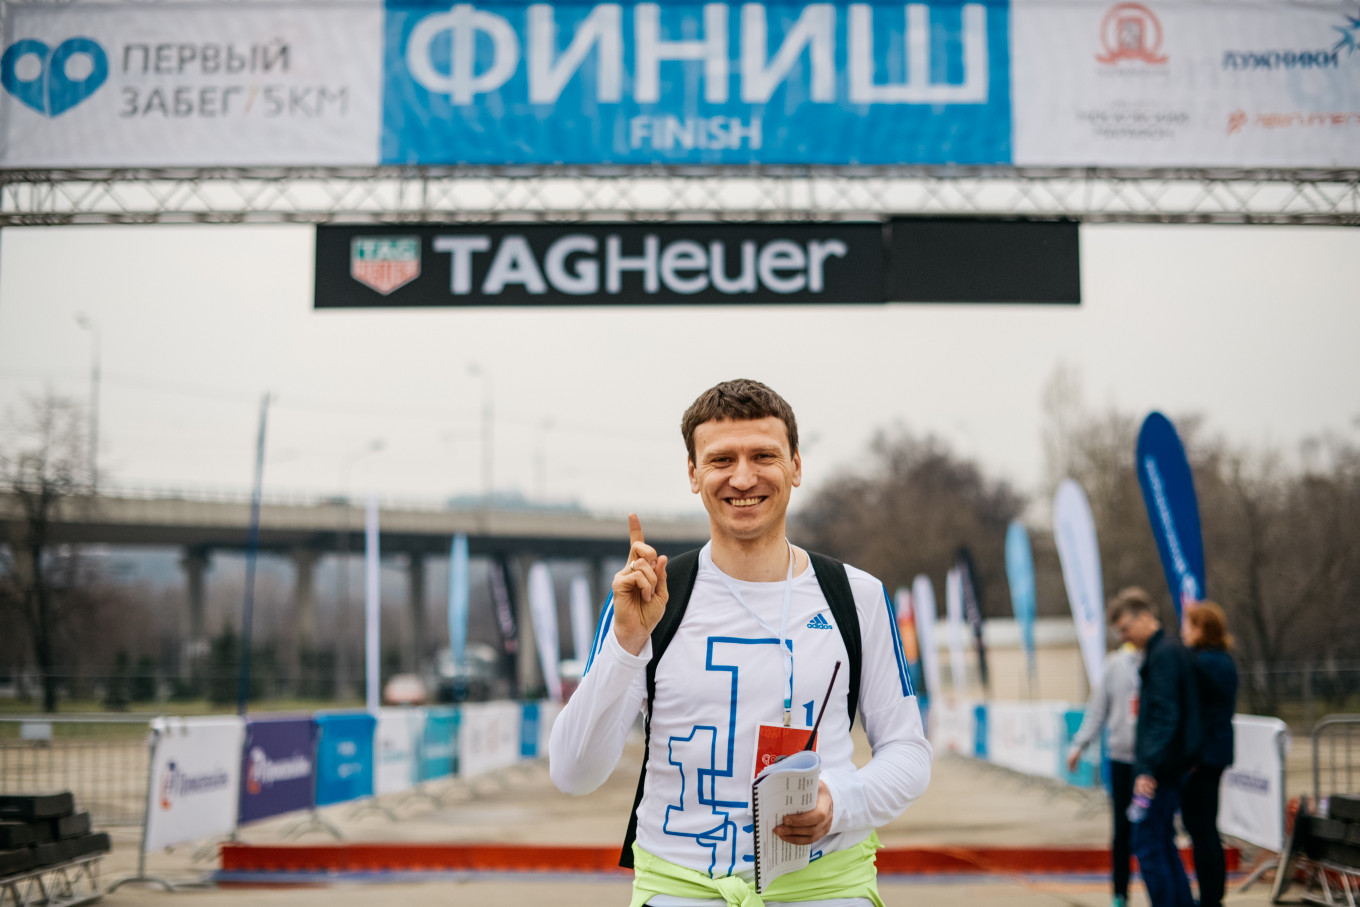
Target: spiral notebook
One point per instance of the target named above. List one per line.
(788, 786)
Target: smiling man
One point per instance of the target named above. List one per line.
(729, 652)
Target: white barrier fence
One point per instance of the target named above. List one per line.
(1033, 739)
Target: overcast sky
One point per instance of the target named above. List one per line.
(1256, 328)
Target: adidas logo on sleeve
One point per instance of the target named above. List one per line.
(819, 623)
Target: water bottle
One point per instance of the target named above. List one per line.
(1138, 808)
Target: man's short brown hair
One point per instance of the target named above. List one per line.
(741, 398)
(1132, 600)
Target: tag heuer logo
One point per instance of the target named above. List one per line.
(384, 265)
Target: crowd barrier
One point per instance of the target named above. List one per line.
(1033, 738)
(210, 776)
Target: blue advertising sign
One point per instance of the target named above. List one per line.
(696, 83)
(278, 767)
(1173, 509)
(344, 756)
(528, 732)
(439, 744)
(1020, 575)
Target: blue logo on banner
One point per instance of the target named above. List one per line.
(697, 83)
(344, 757)
(1173, 510)
(278, 774)
(52, 80)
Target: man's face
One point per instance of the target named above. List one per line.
(745, 473)
(1136, 627)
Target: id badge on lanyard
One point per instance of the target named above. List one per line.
(779, 741)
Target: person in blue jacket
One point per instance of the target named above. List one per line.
(1166, 744)
(1204, 630)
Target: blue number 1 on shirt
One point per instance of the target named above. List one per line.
(704, 756)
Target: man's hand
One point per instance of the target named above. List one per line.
(811, 826)
(640, 594)
(1073, 758)
(1145, 785)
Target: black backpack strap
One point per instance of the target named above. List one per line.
(681, 571)
(835, 585)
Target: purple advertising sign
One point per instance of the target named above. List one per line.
(278, 767)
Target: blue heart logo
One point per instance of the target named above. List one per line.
(51, 92)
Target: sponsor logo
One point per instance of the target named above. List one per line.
(1130, 31)
(176, 784)
(1251, 783)
(575, 265)
(52, 80)
(819, 623)
(1294, 59)
(384, 264)
(263, 772)
(1240, 120)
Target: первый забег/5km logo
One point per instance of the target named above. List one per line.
(52, 80)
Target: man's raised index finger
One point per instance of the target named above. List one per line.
(634, 529)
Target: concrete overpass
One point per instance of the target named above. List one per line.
(306, 529)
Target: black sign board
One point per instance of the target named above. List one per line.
(593, 264)
(970, 260)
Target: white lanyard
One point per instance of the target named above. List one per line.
(785, 644)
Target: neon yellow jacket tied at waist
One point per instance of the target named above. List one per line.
(849, 873)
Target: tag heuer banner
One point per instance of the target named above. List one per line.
(967, 82)
(697, 263)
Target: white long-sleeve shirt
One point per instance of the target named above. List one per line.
(722, 676)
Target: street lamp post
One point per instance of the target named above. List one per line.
(342, 574)
(541, 459)
(88, 324)
(488, 423)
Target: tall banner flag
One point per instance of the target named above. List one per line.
(543, 607)
(372, 602)
(923, 597)
(505, 609)
(971, 591)
(459, 595)
(1173, 510)
(1074, 530)
(906, 631)
(1020, 575)
(582, 625)
(953, 605)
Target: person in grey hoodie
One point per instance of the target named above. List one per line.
(1113, 707)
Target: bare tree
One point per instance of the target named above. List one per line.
(908, 512)
(43, 473)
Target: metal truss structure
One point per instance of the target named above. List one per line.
(562, 194)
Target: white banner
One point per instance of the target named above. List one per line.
(1026, 736)
(1074, 530)
(1185, 84)
(195, 779)
(954, 727)
(923, 595)
(395, 742)
(202, 84)
(582, 620)
(1251, 798)
(543, 608)
(953, 604)
(488, 737)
